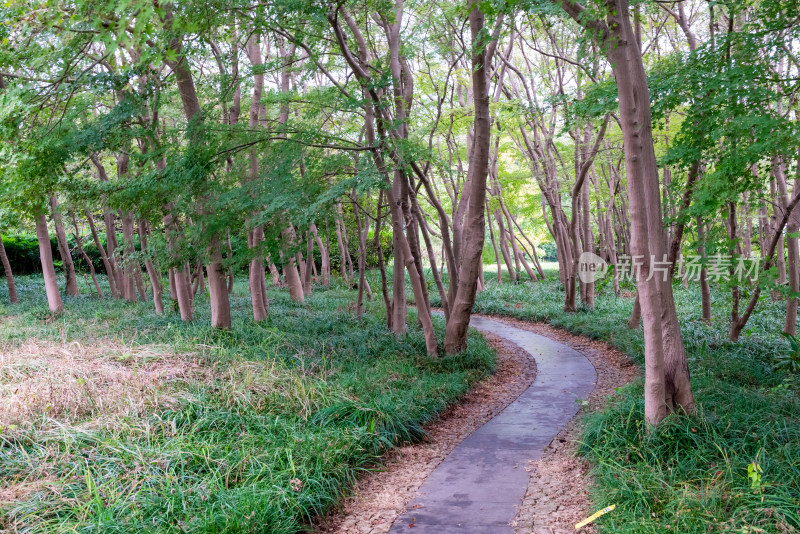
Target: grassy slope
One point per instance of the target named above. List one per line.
(690, 475)
(269, 428)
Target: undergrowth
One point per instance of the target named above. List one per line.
(259, 429)
(734, 466)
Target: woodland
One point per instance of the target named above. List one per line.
(242, 241)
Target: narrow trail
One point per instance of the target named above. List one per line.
(478, 488)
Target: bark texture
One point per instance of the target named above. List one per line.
(54, 301)
(12, 287)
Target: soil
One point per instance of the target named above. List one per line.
(557, 496)
(381, 495)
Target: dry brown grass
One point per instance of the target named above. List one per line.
(67, 383)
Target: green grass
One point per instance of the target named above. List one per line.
(258, 429)
(691, 474)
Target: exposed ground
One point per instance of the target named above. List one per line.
(381, 495)
(557, 494)
(115, 419)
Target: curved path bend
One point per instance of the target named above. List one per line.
(478, 487)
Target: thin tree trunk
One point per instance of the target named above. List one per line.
(309, 267)
(501, 235)
(399, 305)
(63, 248)
(86, 257)
(173, 293)
(180, 290)
(112, 283)
(230, 269)
(325, 266)
(342, 251)
(748, 226)
(792, 226)
(381, 265)
(290, 272)
(301, 267)
(197, 280)
(588, 245)
(437, 278)
(275, 273)
(128, 280)
(362, 254)
(54, 301)
(152, 273)
(494, 245)
(112, 266)
(12, 287)
(533, 254)
(346, 245)
(137, 276)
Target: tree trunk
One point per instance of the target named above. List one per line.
(180, 282)
(218, 287)
(342, 250)
(705, 290)
(647, 233)
(309, 266)
(494, 245)
(152, 273)
(112, 283)
(220, 302)
(501, 235)
(275, 273)
(63, 248)
(256, 277)
(111, 264)
(325, 266)
(748, 226)
(173, 293)
(290, 272)
(86, 257)
(256, 282)
(128, 280)
(12, 287)
(362, 254)
(533, 254)
(346, 245)
(471, 258)
(54, 301)
(399, 305)
(587, 296)
(230, 269)
(792, 226)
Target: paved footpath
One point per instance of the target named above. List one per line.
(478, 488)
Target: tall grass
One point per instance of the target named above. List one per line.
(270, 428)
(734, 466)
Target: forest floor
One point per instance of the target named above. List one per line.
(115, 419)
(381, 495)
(558, 492)
(557, 495)
(734, 465)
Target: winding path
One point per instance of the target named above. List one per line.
(478, 488)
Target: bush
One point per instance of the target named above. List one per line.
(549, 252)
(23, 254)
